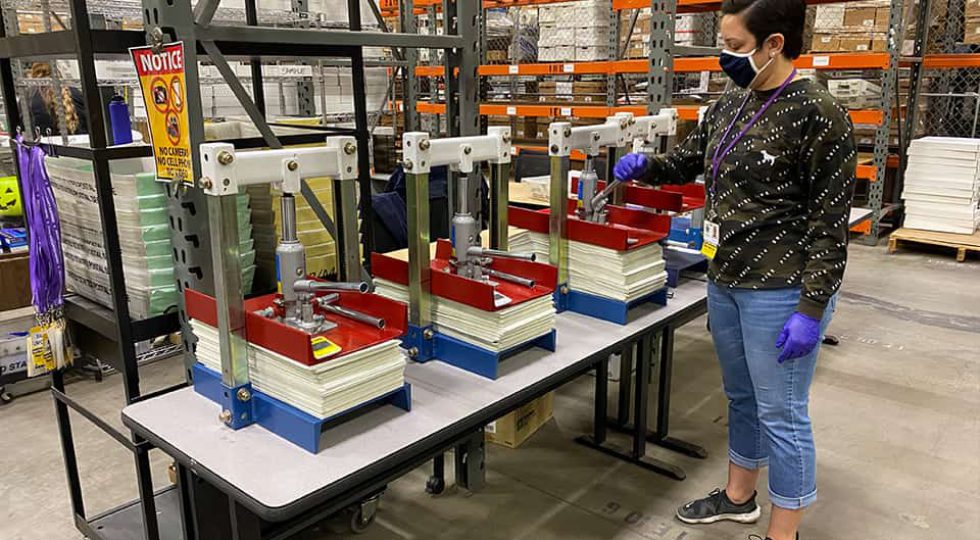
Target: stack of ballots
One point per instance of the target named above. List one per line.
(942, 185)
(621, 275)
(322, 390)
(144, 234)
(495, 331)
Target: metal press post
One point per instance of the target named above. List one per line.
(558, 216)
(228, 293)
(499, 202)
(345, 208)
(613, 153)
(419, 256)
(226, 262)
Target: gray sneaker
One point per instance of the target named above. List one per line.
(718, 507)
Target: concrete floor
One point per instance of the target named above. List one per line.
(896, 409)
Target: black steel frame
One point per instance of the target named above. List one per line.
(83, 43)
(114, 324)
(635, 388)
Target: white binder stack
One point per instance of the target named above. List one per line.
(323, 390)
(620, 275)
(942, 185)
(495, 331)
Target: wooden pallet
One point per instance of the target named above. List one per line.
(960, 242)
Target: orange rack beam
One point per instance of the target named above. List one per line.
(684, 112)
(681, 65)
(951, 61)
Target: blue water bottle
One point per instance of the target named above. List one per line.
(122, 129)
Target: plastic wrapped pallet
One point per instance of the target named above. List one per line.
(144, 234)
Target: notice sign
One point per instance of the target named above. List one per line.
(165, 95)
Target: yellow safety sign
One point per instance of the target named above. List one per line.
(164, 89)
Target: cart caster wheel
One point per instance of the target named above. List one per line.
(362, 515)
(435, 485)
(831, 340)
(5, 398)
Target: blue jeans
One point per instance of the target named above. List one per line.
(768, 419)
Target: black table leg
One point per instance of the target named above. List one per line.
(601, 402)
(244, 524)
(625, 385)
(598, 437)
(660, 436)
(634, 453)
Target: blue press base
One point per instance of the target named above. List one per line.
(607, 309)
(469, 357)
(296, 426)
(682, 232)
(679, 261)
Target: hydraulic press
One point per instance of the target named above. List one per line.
(597, 215)
(489, 279)
(308, 321)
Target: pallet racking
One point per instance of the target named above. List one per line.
(164, 20)
(667, 62)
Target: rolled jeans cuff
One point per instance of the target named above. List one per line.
(746, 463)
(792, 503)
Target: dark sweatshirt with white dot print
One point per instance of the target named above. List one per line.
(783, 194)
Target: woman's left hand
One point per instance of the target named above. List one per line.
(799, 337)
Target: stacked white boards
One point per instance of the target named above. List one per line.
(942, 185)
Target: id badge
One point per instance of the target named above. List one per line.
(712, 238)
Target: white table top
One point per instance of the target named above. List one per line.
(273, 473)
(859, 215)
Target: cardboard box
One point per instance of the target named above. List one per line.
(848, 88)
(591, 54)
(882, 15)
(855, 93)
(556, 54)
(497, 56)
(589, 91)
(825, 43)
(15, 275)
(853, 43)
(591, 36)
(829, 18)
(516, 427)
(556, 90)
(972, 9)
(860, 17)
(971, 31)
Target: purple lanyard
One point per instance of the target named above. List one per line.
(720, 154)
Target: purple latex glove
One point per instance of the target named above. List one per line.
(631, 167)
(799, 337)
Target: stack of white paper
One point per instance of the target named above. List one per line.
(496, 331)
(323, 390)
(620, 275)
(942, 185)
(144, 229)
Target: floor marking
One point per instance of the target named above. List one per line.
(937, 319)
(394, 528)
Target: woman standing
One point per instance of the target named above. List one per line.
(779, 159)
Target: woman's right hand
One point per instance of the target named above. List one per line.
(631, 167)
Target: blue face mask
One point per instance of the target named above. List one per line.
(740, 67)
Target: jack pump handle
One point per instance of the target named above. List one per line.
(312, 286)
